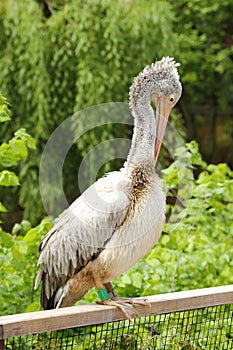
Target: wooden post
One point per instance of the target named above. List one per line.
(1, 344)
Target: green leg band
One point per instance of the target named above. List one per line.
(103, 294)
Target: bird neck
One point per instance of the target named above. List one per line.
(143, 140)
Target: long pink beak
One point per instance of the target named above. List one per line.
(162, 114)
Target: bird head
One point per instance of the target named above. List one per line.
(158, 83)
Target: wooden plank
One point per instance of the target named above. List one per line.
(84, 315)
(1, 344)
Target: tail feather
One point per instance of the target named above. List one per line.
(56, 298)
(51, 296)
(52, 289)
(67, 293)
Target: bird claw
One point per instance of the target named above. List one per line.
(141, 301)
(126, 305)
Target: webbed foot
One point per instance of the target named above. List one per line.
(126, 305)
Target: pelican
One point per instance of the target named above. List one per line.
(119, 218)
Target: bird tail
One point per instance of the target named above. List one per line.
(68, 294)
(55, 300)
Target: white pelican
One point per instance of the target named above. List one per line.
(118, 219)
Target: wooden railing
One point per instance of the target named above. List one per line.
(78, 316)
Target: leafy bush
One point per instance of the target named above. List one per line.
(203, 31)
(17, 250)
(12, 152)
(85, 53)
(18, 260)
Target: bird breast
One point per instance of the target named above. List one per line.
(142, 225)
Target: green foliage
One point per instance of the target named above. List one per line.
(84, 53)
(12, 152)
(16, 149)
(4, 110)
(18, 249)
(8, 178)
(18, 259)
(203, 30)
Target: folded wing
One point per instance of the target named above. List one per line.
(81, 233)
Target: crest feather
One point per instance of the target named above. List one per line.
(166, 67)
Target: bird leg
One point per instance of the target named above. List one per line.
(113, 295)
(126, 305)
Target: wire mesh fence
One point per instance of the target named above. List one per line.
(205, 328)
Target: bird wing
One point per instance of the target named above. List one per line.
(82, 232)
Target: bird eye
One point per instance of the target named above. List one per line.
(171, 98)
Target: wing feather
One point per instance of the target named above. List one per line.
(82, 232)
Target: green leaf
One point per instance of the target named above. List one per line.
(27, 139)
(7, 156)
(4, 114)
(25, 226)
(35, 306)
(136, 280)
(19, 251)
(125, 279)
(4, 110)
(19, 147)
(196, 158)
(3, 209)
(31, 236)
(8, 178)
(16, 149)
(6, 239)
(165, 239)
(16, 228)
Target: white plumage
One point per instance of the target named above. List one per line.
(119, 218)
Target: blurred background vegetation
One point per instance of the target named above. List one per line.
(58, 57)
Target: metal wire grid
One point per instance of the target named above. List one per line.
(207, 328)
